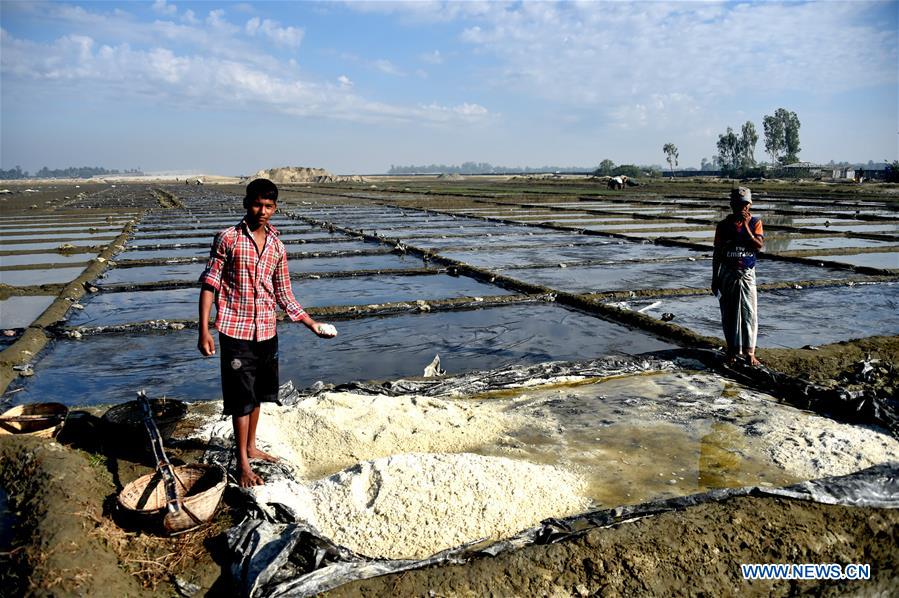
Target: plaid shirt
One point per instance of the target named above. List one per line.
(248, 283)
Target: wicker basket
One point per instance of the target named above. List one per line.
(43, 420)
(124, 423)
(199, 488)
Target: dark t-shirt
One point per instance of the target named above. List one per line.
(737, 250)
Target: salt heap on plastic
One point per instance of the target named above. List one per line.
(325, 434)
(414, 505)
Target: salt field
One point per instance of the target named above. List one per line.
(577, 353)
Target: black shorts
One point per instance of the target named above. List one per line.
(249, 373)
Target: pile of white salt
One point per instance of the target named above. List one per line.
(325, 434)
(414, 505)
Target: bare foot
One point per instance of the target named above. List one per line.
(753, 361)
(248, 478)
(255, 453)
(730, 360)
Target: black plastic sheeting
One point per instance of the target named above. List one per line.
(275, 558)
(275, 554)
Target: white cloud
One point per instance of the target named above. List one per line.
(289, 37)
(434, 57)
(626, 57)
(122, 71)
(190, 17)
(430, 11)
(387, 67)
(436, 113)
(217, 22)
(163, 8)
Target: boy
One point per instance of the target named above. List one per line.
(738, 240)
(246, 276)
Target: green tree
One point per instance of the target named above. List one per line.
(747, 143)
(791, 135)
(628, 170)
(730, 149)
(671, 155)
(605, 168)
(782, 136)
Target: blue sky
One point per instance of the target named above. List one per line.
(354, 87)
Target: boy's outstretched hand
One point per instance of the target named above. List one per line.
(325, 330)
(320, 329)
(206, 344)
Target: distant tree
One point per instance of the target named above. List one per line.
(774, 138)
(629, 170)
(791, 137)
(671, 155)
(709, 164)
(892, 171)
(13, 174)
(653, 170)
(730, 148)
(747, 143)
(605, 168)
(782, 136)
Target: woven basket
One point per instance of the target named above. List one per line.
(199, 488)
(124, 424)
(48, 420)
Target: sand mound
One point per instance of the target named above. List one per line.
(414, 505)
(325, 434)
(292, 174)
(301, 174)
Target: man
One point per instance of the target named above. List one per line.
(738, 239)
(246, 276)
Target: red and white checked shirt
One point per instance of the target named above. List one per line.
(249, 283)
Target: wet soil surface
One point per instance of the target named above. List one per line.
(69, 539)
(693, 552)
(844, 364)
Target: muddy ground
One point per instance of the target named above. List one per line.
(842, 364)
(693, 552)
(69, 540)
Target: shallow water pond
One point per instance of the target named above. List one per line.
(144, 274)
(19, 312)
(640, 225)
(111, 368)
(888, 260)
(351, 263)
(885, 228)
(161, 254)
(63, 235)
(13, 246)
(782, 242)
(22, 278)
(45, 258)
(683, 274)
(181, 304)
(613, 250)
(795, 318)
(535, 237)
